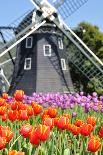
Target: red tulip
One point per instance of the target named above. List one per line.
(18, 95)
(14, 106)
(78, 122)
(94, 144)
(52, 112)
(86, 129)
(2, 142)
(12, 115)
(48, 122)
(34, 140)
(62, 122)
(25, 130)
(42, 132)
(23, 115)
(4, 117)
(101, 131)
(91, 120)
(21, 106)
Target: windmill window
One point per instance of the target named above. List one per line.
(60, 43)
(63, 64)
(29, 41)
(27, 64)
(47, 50)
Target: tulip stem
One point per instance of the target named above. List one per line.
(14, 142)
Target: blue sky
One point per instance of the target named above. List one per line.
(90, 12)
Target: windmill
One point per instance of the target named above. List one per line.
(41, 56)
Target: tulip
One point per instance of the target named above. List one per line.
(62, 122)
(48, 122)
(42, 132)
(36, 108)
(14, 152)
(75, 130)
(25, 130)
(94, 144)
(4, 117)
(2, 142)
(3, 110)
(78, 122)
(5, 96)
(2, 101)
(7, 134)
(52, 112)
(34, 140)
(23, 115)
(91, 120)
(86, 129)
(101, 131)
(18, 95)
(12, 115)
(45, 112)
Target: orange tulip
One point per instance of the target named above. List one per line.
(52, 112)
(4, 95)
(37, 108)
(45, 112)
(75, 130)
(14, 152)
(67, 115)
(7, 134)
(25, 130)
(30, 111)
(86, 129)
(2, 142)
(78, 122)
(18, 95)
(3, 110)
(94, 144)
(91, 120)
(2, 101)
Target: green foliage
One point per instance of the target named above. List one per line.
(95, 85)
(92, 37)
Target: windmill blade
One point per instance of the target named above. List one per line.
(65, 7)
(79, 54)
(20, 35)
(68, 7)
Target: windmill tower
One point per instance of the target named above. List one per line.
(41, 63)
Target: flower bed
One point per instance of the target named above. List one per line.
(51, 124)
